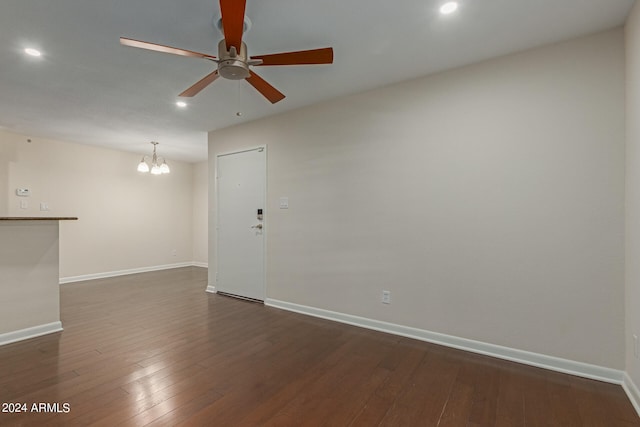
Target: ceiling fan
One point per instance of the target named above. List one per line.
(233, 60)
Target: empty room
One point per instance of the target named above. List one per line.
(250, 213)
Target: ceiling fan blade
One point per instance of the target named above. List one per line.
(204, 82)
(268, 91)
(161, 48)
(233, 21)
(314, 56)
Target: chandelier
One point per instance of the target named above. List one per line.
(156, 167)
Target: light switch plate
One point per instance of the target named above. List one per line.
(284, 203)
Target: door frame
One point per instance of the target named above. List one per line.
(265, 215)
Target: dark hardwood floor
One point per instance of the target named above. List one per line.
(155, 349)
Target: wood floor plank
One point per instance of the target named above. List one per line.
(457, 410)
(485, 397)
(510, 403)
(155, 349)
(563, 404)
(402, 364)
(298, 379)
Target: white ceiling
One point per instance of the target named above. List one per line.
(88, 88)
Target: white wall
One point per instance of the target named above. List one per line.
(489, 200)
(29, 291)
(200, 213)
(127, 220)
(633, 191)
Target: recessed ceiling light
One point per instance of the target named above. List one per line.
(181, 104)
(33, 52)
(448, 8)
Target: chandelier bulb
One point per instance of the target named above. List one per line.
(143, 166)
(164, 168)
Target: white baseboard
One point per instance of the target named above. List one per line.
(566, 366)
(200, 264)
(27, 333)
(129, 271)
(632, 392)
(212, 289)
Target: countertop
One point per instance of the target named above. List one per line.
(38, 218)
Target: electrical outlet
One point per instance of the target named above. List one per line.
(24, 204)
(174, 252)
(636, 350)
(386, 297)
(44, 206)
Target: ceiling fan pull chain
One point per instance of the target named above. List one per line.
(238, 104)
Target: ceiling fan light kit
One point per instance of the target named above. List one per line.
(233, 65)
(233, 59)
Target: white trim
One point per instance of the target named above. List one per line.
(200, 264)
(244, 150)
(32, 332)
(265, 221)
(212, 289)
(116, 273)
(632, 391)
(566, 366)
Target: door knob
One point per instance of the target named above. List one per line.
(259, 226)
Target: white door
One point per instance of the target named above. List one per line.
(241, 180)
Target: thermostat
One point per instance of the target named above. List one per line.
(23, 192)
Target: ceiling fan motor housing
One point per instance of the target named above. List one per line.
(232, 65)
